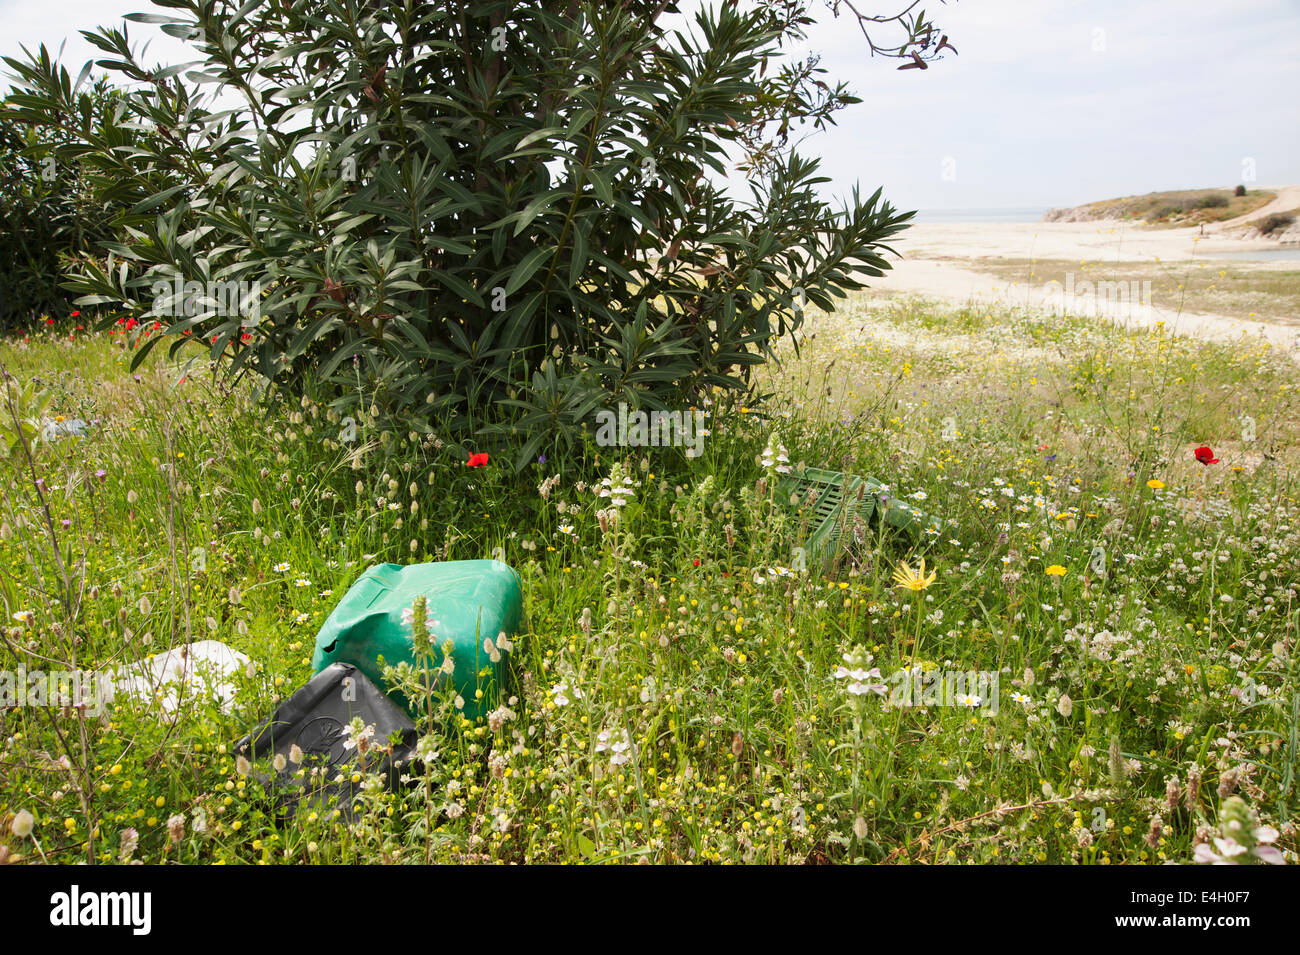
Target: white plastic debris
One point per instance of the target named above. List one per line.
(53, 428)
(202, 670)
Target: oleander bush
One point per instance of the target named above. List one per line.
(498, 215)
(50, 213)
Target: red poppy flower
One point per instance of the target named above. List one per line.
(477, 460)
(76, 313)
(1205, 455)
(696, 563)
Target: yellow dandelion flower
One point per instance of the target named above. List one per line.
(1155, 484)
(1055, 570)
(914, 580)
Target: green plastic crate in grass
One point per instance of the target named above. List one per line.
(839, 501)
(468, 601)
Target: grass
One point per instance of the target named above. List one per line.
(1266, 293)
(1180, 207)
(1138, 609)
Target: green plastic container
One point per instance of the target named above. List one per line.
(471, 600)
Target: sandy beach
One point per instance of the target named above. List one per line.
(956, 261)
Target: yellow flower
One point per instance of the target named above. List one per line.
(1155, 484)
(914, 580)
(1055, 570)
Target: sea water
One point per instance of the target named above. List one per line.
(1291, 253)
(1009, 214)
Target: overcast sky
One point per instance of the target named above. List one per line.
(1058, 102)
(1049, 102)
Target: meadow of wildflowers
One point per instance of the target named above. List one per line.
(687, 685)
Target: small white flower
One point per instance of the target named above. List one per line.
(427, 749)
(357, 735)
(775, 458)
(561, 692)
(620, 753)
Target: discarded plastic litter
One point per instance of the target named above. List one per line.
(840, 502)
(194, 670)
(53, 428)
(469, 601)
(316, 720)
